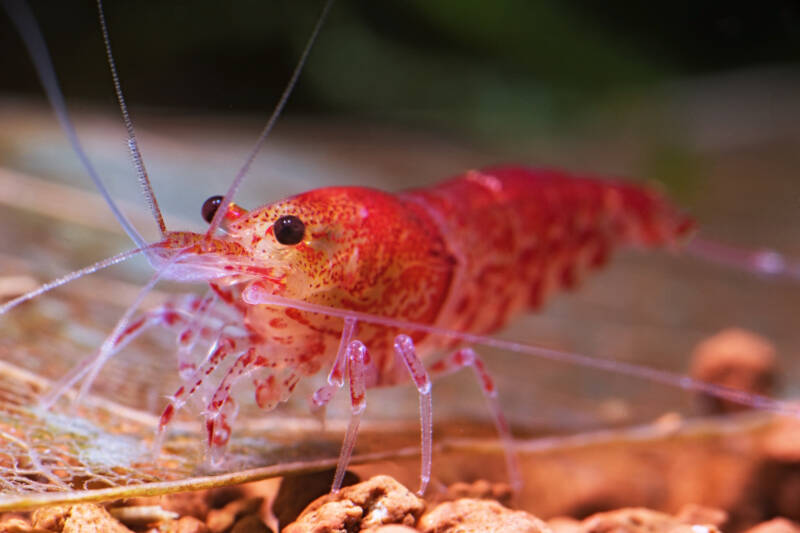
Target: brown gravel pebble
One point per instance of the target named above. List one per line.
(776, 525)
(779, 483)
(80, 518)
(787, 497)
(222, 496)
(250, 524)
(365, 506)
(222, 520)
(481, 489)
(382, 505)
(477, 516)
(639, 520)
(734, 358)
(188, 524)
(51, 518)
(633, 520)
(219, 521)
(18, 525)
(332, 516)
(138, 516)
(193, 503)
(781, 443)
(698, 514)
(564, 524)
(296, 492)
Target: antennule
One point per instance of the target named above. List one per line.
(133, 145)
(105, 263)
(23, 19)
(237, 181)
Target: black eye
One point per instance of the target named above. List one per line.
(289, 229)
(210, 207)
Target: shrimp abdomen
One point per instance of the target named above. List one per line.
(519, 234)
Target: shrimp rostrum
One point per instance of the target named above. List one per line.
(372, 288)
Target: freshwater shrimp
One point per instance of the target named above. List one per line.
(359, 283)
(464, 256)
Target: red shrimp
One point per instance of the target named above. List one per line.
(361, 283)
(466, 256)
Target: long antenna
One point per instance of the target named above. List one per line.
(133, 145)
(22, 17)
(254, 295)
(63, 280)
(237, 181)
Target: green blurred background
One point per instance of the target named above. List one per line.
(488, 69)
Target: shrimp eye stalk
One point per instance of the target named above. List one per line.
(289, 230)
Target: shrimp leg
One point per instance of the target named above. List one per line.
(466, 357)
(136, 328)
(324, 394)
(404, 349)
(188, 337)
(221, 408)
(124, 335)
(356, 372)
(217, 353)
(167, 315)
